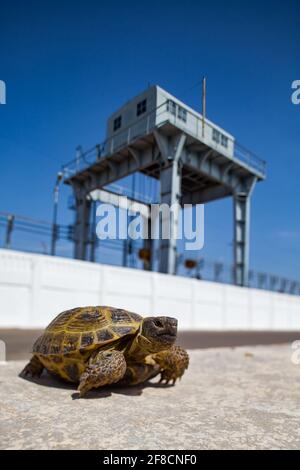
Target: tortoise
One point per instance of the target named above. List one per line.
(98, 346)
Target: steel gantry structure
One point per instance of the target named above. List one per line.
(195, 161)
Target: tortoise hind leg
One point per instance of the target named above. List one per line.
(34, 368)
(139, 373)
(105, 368)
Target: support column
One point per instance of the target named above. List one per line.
(170, 190)
(81, 229)
(241, 235)
(170, 181)
(93, 235)
(148, 245)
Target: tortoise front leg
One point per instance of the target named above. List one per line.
(34, 368)
(173, 363)
(105, 368)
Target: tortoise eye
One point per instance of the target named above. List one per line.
(158, 323)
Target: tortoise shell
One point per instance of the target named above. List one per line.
(85, 329)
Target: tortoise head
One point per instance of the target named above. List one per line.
(160, 332)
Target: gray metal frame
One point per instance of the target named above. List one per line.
(190, 172)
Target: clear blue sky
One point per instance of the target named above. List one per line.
(69, 64)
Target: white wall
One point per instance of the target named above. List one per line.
(35, 288)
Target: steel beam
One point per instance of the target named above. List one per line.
(171, 156)
(82, 223)
(206, 195)
(201, 162)
(170, 183)
(241, 210)
(148, 244)
(113, 171)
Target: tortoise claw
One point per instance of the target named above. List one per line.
(32, 369)
(165, 380)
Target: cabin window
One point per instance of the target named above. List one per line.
(171, 107)
(219, 138)
(216, 135)
(181, 113)
(224, 141)
(141, 107)
(117, 123)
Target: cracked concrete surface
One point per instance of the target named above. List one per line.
(243, 398)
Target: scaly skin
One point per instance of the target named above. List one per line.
(34, 368)
(128, 360)
(173, 362)
(108, 367)
(139, 373)
(170, 363)
(105, 368)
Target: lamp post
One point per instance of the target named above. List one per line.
(54, 236)
(9, 229)
(203, 105)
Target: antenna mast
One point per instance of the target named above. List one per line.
(203, 105)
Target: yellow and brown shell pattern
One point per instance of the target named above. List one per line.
(75, 334)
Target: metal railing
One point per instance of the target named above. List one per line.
(127, 136)
(221, 272)
(190, 122)
(249, 158)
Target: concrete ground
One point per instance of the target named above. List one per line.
(243, 398)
